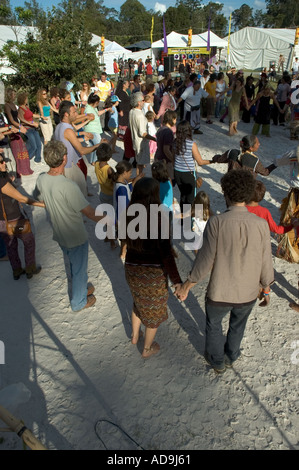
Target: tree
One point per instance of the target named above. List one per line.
(60, 51)
(5, 12)
(135, 21)
(282, 14)
(242, 17)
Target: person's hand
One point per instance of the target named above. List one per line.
(23, 129)
(14, 129)
(35, 124)
(88, 135)
(121, 113)
(181, 292)
(265, 300)
(90, 116)
(2, 136)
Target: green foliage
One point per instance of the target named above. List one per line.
(282, 14)
(61, 51)
(242, 17)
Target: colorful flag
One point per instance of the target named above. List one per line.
(165, 38)
(209, 27)
(152, 29)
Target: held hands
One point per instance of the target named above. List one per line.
(180, 292)
(264, 297)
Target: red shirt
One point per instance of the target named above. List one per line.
(265, 214)
(149, 69)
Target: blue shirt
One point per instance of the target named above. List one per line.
(113, 121)
(166, 194)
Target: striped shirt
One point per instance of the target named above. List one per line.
(185, 161)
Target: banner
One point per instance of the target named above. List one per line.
(209, 27)
(189, 37)
(185, 50)
(165, 38)
(152, 29)
(230, 22)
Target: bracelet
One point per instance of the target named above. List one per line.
(266, 293)
(78, 134)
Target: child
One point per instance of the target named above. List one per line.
(104, 174)
(160, 173)
(151, 130)
(113, 120)
(148, 104)
(122, 195)
(199, 223)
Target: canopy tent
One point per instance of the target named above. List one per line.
(176, 40)
(215, 41)
(139, 45)
(12, 33)
(255, 48)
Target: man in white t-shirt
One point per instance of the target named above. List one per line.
(66, 204)
(192, 97)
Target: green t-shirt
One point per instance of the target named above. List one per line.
(95, 125)
(64, 202)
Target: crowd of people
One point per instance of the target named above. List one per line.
(156, 121)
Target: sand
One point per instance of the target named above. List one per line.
(89, 387)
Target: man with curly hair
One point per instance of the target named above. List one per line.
(237, 251)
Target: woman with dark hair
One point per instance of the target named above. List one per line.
(165, 140)
(124, 107)
(249, 161)
(168, 102)
(17, 145)
(186, 154)
(10, 212)
(55, 101)
(94, 126)
(26, 117)
(249, 90)
(149, 263)
(263, 113)
(238, 92)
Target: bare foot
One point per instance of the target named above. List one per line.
(135, 339)
(148, 352)
(295, 307)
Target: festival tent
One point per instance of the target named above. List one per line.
(255, 48)
(114, 51)
(215, 41)
(12, 33)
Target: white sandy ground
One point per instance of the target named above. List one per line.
(81, 368)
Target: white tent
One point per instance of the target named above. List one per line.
(215, 41)
(12, 33)
(179, 40)
(114, 51)
(254, 48)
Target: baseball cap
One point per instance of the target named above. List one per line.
(115, 98)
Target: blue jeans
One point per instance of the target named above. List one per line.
(78, 259)
(218, 107)
(34, 144)
(215, 349)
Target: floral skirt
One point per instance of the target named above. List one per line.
(149, 289)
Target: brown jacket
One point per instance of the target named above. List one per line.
(236, 251)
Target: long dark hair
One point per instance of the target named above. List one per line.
(146, 192)
(247, 142)
(183, 132)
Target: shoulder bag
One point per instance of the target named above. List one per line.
(16, 227)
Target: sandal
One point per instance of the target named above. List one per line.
(151, 351)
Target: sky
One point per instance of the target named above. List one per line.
(229, 5)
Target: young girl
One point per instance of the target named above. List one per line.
(45, 108)
(148, 104)
(199, 223)
(122, 196)
(151, 130)
(113, 102)
(104, 174)
(160, 173)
